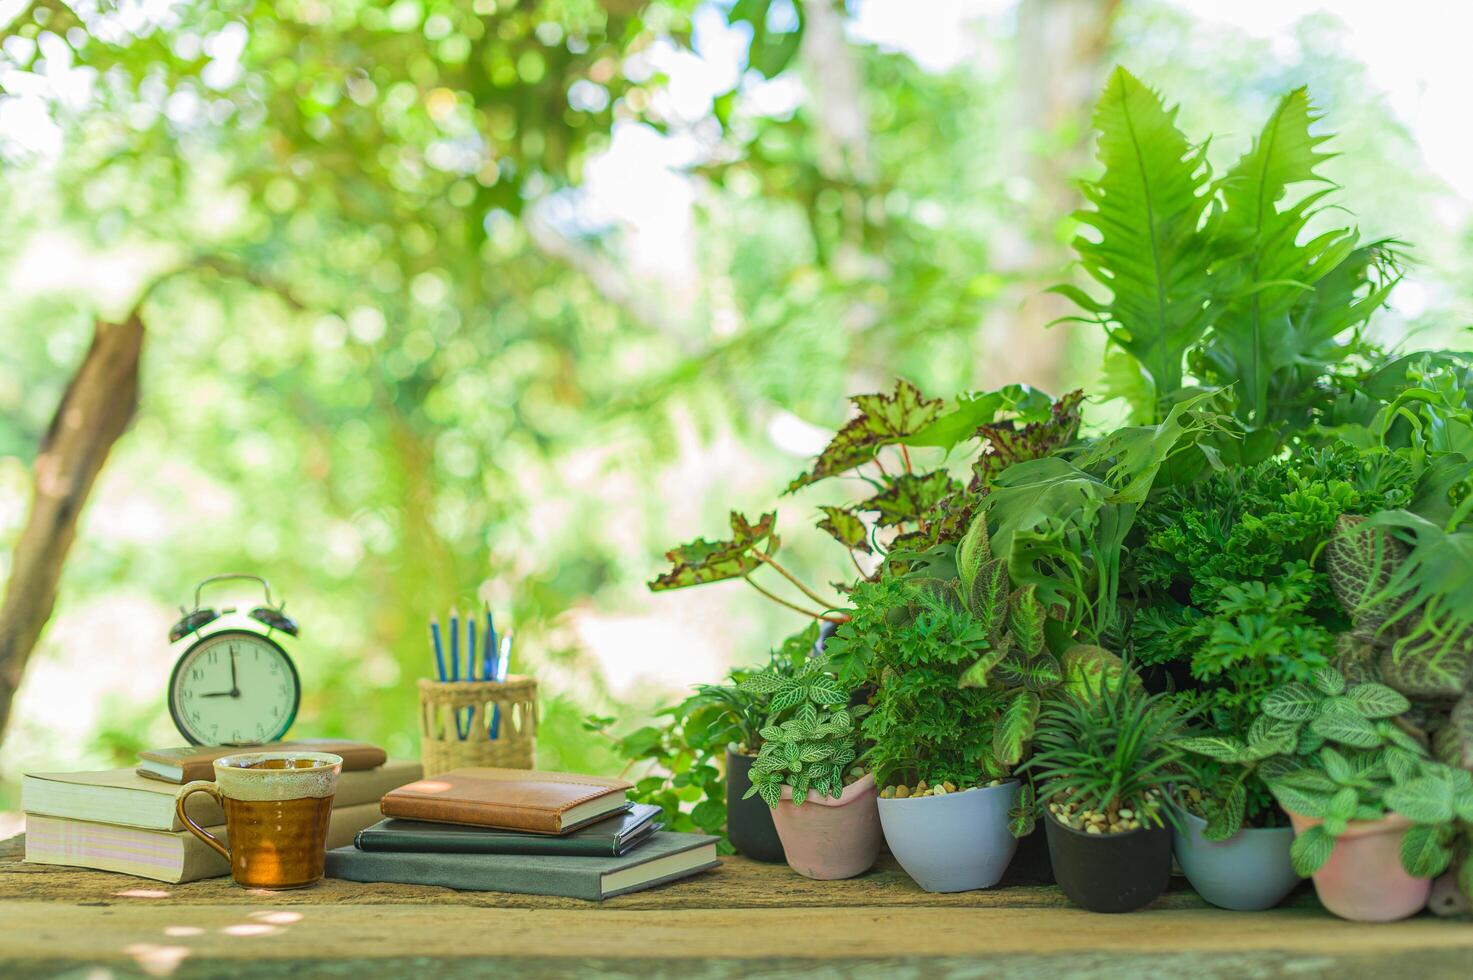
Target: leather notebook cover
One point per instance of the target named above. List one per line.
(186, 762)
(509, 799)
(610, 837)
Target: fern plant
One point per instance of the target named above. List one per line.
(908, 643)
(809, 739)
(1221, 275)
(1332, 751)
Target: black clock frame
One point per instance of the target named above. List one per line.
(291, 718)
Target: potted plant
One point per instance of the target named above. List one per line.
(1103, 769)
(822, 803)
(946, 804)
(1373, 813)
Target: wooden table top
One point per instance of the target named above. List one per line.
(743, 919)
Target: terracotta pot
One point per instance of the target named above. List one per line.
(1247, 872)
(952, 843)
(829, 838)
(1110, 872)
(748, 821)
(1364, 881)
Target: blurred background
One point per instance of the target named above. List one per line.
(446, 301)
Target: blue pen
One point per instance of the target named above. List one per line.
(454, 645)
(439, 650)
(488, 650)
(502, 663)
(470, 648)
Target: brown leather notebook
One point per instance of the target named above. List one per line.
(509, 799)
(186, 762)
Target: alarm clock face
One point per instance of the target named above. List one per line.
(234, 687)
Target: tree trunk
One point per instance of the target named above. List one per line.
(1060, 63)
(93, 413)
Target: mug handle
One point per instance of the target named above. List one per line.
(189, 789)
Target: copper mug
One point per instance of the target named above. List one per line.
(277, 808)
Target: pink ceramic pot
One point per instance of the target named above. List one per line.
(1364, 881)
(829, 838)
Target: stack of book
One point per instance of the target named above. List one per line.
(515, 830)
(123, 819)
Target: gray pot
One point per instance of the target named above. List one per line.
(1247, 872)
(952, 843)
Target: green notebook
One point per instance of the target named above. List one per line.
(617, 835)
(665, 857)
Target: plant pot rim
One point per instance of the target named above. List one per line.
(1121, 836)
(857, 790)
(1196, 820)
(923, 800)
(1389, 824)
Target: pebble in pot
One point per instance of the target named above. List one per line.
(950, 840)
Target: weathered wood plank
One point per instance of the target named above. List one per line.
(737, 884)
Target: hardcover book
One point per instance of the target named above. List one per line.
(527, 800)
(124, 798)
(175, 857)
(187, 762)
(615, 835)
(665, 857)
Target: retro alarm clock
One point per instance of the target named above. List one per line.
(234, 686)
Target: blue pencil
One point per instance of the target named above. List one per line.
(439, 650)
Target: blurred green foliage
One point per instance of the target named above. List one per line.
(394, 358)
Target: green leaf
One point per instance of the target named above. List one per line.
(909, 497)
(978, 409)
(1272, 736)
(1269, 266)
(846, 528)
(1025, 620)
(1227, 819)
(883, 420)
(1291, 702)
(978, 674)
(1377, 701)
(987, 599)
(1328, 681)
(1015, 728)
(1310, 851)
(1347, 728)
(704, 561)
(1007, 443)
(1022, 817)
(1091, 671)
(823, 690)
(1423, 855)
(1223, 748)
(1424, 800)
(1342, 805)
(973, 551)
(1146, 209)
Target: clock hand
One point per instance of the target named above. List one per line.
(221, 694)
(234, 688)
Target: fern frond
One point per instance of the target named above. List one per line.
(1147, 209)
(1264, 272)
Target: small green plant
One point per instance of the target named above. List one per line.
(809, 739)
(1342, 757)
(1097, 760)
(910, 642)
(676, 762)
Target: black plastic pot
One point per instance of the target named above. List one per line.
(749, 822)
(1110, 872)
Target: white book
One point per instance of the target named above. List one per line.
(124, 798)
(174, 857)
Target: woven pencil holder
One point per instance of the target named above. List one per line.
(441, 745)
